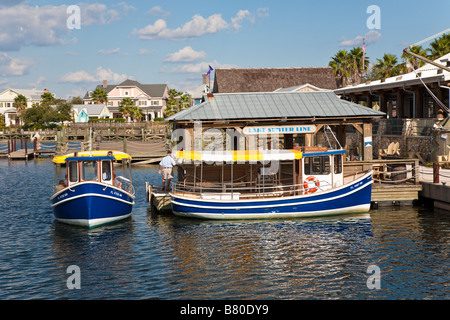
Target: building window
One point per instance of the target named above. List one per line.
(126, 93)
(143, 103)
(155, 102)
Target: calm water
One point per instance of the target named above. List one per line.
(165, 257)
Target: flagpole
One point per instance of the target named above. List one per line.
(364, 57)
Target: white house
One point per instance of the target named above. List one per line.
(150, 98)
(7, 97)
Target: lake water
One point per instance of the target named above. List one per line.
(164, 257)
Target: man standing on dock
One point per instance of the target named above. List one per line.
(166, 165)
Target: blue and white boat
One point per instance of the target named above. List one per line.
(234, 185)
(88, 190)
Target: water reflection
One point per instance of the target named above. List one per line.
(166, 257)
(262, 259)
(103, 255)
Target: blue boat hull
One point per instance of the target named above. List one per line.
(91, 204)
(351, 198)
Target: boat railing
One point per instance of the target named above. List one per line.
(124, 184)
(243, 190)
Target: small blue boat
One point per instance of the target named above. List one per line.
(301, 184)
(89, 191)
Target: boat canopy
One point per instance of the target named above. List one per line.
(237, 155)
(93, 155)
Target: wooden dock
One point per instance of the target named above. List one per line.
(158, 199)
(21, 154)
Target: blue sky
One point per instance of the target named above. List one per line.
(173, 42)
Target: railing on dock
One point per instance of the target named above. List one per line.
(387, 171)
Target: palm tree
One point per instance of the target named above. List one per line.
(340, 64)
(136, 113)
(356, 57)
(439, 47)
(412, 62)
(387, 66)
(99, 96)
(47, 98)
(125, 107)
(20, 103)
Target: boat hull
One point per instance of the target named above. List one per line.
(354, 197)
(91, 204)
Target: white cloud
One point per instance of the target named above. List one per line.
(187, 54)
(39, 82)
(370, 37)
(23, 25)
(98, 75)
(111, 51)
(197, 26)
(10, 66)
(262, 12)
(158, 11)
(236, 22)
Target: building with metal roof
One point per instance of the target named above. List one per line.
(282, 111)
(270, 106)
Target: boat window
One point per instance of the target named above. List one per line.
(337, 163)
(89, 170)
(317, 165)
(73, 171)
(106, 170)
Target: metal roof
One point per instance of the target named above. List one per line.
(270, 105)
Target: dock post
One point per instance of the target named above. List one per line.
(435, 172)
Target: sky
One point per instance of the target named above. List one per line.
(70, 47)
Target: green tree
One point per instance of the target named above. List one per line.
(356, 65)
(177, 102)
(47, 98)
(76, 100)
(412, 62)
(439, 47)
(340, 64)
(99, 96)
(387, 66)
(20, 103)
(125, 107)
(136, 113)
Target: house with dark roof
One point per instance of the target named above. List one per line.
(235, 80)
(150, 98)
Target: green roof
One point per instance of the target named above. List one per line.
(270, 105)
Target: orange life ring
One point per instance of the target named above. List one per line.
(306, 184)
